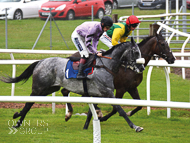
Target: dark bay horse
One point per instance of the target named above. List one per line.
(49, 76)
(128, 81)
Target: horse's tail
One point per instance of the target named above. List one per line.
(24, 76)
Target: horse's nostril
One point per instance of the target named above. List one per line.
(170, 61)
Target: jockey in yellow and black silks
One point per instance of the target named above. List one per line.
(119, 32)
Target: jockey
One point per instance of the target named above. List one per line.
(119, 32)
(86, 33)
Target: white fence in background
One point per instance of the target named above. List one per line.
(124, 18)
(171, 36)
(168, 17)
(182, 63)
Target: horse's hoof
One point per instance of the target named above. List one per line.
(16, 115)
(85, 127)
(18, 124)
(139, 129)
(15, 126)
(68, 116)
(99, 113)
(129, 113)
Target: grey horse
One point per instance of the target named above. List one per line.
(49, 76)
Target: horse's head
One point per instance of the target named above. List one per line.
(163, 50)
(130, 57)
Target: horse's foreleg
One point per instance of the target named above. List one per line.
(135, 95)
(89, 116)
(22, 114)
(122, 113)
(65, 92)
(70, 112)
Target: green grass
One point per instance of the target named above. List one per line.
(157, 128)
(42, 126)
(22, 34)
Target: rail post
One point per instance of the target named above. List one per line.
(152, 28)
(115, 18)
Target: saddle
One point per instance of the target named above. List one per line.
(72, 67)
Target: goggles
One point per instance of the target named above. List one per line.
(134, 25)
(108, 27)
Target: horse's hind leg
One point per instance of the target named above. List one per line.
(119, 94)
(105, 118)
(135, 95)
(122, 113)
(28, 105)
(65, 92)
(22, 114)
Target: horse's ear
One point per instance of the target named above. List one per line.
(160, 33)
(132, 40)
(155, 32)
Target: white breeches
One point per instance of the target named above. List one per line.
(79, 44)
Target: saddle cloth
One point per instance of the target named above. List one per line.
(71, 70)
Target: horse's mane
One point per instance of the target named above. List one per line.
(144, 41)
(116, 46)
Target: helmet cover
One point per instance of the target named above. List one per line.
(106, 21)
(132, 20)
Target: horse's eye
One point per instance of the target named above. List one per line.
(162, 44)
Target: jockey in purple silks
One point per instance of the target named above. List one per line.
(86, 33)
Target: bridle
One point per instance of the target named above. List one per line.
(162, 55)
(119, 63)
(126, 64)
(106, 68)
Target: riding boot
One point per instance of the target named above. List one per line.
(81, 74)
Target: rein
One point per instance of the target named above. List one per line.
(106, 68)
(106, 57)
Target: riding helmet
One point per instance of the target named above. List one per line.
(132, 21)
(106, 21)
